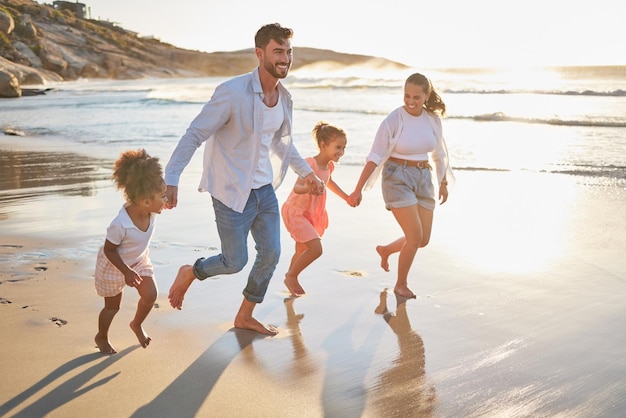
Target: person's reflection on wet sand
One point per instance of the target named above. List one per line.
(403, 389)
(302, 364)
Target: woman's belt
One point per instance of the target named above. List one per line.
(411, 163)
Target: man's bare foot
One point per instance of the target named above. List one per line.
(254, 325)
(143, 338)
(104, 345)
(384, 257)
(183, 280)
(404, 291)
(293, 285)
(382, 306)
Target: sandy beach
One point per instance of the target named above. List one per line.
(520, 309)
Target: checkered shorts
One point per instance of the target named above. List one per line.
(110, 281)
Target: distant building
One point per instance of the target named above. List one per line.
(79, 9)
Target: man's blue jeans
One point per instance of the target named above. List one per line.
(261, 217)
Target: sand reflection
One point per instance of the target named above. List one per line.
(26, 175)
(403, 389)
(302, 363)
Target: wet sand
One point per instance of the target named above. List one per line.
(520, 306)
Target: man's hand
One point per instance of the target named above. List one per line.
(316, 186)
(171, 196)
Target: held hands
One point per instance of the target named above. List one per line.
(316, 186)
(354, 199)
(171, 196)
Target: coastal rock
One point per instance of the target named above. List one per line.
(51, 58)
(90, 70)
(9, 86)
(28, 75)
(6, 23)
(27, 55)
(27, 27)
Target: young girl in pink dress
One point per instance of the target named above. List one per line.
(303, 213)
(123, 259)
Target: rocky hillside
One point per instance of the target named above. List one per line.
(39, 43)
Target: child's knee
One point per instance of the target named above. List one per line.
(150, 296)
(315, 248)
(111, 311)
(112, 304)
(149, 292)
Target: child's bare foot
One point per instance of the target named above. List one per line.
(183, 280)
(104, 345)
(384, 257)
(293, 285)
(143, 338)
(404, 291)
(382, 306)
(254, 325)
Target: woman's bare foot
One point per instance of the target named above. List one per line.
(384, 257)
(104, 345)
(143, 338)
(183, 280)
(254, 325)
(405, 292)
(293, 285)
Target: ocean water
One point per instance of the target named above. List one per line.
(568, 120)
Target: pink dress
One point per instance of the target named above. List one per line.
(304, 215)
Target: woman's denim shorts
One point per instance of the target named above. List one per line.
(405, 186)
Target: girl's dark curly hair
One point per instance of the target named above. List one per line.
(138, 174)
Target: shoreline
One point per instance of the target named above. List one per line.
(518, 286)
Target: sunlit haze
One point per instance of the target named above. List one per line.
(457, 33)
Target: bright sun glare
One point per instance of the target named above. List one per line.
(530, 233)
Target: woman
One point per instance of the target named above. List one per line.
(404, 141)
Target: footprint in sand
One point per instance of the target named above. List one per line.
(58, 321)
(4, 301)
(352, 273)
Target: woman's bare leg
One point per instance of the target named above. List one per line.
(409, 220)
(384, 251)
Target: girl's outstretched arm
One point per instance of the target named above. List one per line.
(368, 169)
(334, 187)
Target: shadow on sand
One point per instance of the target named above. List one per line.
(185, 395)
(68, 391)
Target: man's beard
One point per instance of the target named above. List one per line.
(271, 68)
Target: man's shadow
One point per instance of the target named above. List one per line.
(403, 389)
(186, 394)
(67, 391)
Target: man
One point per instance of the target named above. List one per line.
(247, 126)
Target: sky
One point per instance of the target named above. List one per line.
(432, 34)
